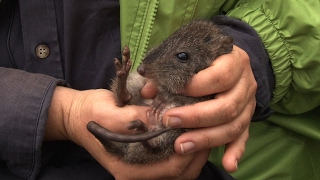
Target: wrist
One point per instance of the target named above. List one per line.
(58, 114)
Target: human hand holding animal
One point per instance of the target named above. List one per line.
(73, 109)
(222, 120)
(188, 57)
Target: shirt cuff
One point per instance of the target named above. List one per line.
(25, 99)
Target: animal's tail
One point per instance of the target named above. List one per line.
(137, 148)
(104, 134)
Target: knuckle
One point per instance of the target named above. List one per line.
(226, 81)
(204, 141)
(176, 173)
(236, 129)
(231, 110)
(207, 142)
(135, 115)
(254, 86)
(197, 121)
(183, 174)
(201, 116)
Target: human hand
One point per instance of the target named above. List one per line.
(222, 120)
(70, 112)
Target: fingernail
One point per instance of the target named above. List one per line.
(173, 122)
(236, 165)
(187, 147)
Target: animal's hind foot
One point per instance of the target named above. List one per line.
(123, 70)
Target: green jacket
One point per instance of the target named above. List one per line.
(289, 29)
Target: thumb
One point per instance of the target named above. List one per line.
(149, 90)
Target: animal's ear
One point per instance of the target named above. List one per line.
(226, 44)
(221, 39)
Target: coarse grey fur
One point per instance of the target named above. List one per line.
(170, 66)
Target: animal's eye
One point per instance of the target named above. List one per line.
(183, 57)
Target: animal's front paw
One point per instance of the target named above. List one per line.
(158, 106)
(138, 126)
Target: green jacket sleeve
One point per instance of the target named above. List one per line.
(290, 31)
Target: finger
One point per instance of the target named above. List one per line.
(234, 151)
(223, 73)
(149, 91)
(203, 114)
(194, 168)
(204, 138)
(224, 108)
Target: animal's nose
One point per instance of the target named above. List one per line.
(141, 70)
